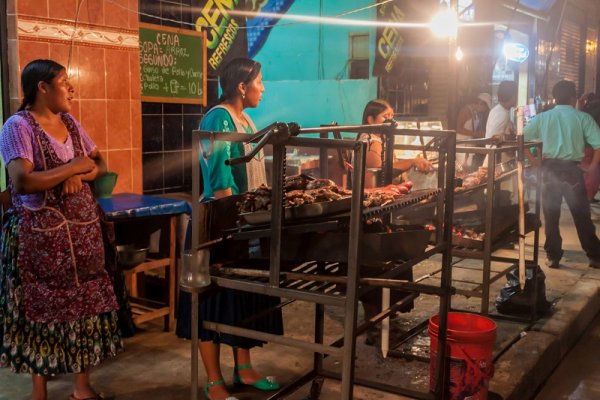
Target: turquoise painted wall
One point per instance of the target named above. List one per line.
(305, 68)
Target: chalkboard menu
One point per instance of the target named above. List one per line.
(172, 65)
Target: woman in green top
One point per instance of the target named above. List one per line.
(241, 83)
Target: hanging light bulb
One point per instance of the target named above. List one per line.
(459, 55)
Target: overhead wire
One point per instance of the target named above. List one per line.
(72, 44)
(299, 19)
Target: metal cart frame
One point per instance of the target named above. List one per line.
(345, 347)
(489, 247)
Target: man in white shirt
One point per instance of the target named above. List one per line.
(499, 124)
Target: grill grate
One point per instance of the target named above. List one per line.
(414, 197)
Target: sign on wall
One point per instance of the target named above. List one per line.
(172, 65)
(225, 31)
(260, 26)
(389, 39)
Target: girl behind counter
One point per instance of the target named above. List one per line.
(57, 305)
(242, 87)
(377, 112)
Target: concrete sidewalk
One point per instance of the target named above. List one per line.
(156, 365)
(530, 361)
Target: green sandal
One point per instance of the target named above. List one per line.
(216, 383)
(267, 383)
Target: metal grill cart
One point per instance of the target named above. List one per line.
(277, 259)
(496, 215)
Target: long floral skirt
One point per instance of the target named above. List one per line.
(47, 348)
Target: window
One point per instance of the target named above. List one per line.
(466, 10)
(358, 57)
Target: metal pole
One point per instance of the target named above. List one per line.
(521, 192)
(277, 213)
(538, 206)
(319, 335)
(323, 158)
(194, 246)
(195, 192)
(358, 184)
(195, 309)
(388, 166)
(487, 241)
(446, 278)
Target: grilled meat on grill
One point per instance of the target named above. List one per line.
(317, 191)
(320, 183)
(258, 199)
(298, 197)
(296, 182)
(324, 194)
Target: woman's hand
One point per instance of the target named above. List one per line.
(72, 185)
(82, 164)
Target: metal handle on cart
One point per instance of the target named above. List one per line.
(211, 148)
(278, 130)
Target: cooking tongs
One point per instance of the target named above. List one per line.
(276, 133)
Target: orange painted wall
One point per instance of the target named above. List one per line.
(104, 68)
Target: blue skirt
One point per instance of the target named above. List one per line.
(231, 307)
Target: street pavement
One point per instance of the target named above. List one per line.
(576, 378)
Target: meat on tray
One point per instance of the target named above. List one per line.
(256, 200)
(475, 178)
(299, 190)
(296, 182)
(320, 183)
(378, 197)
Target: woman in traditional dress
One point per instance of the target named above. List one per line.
(242, 87)
(57, 304)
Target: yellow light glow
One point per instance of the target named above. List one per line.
(444, 24)
(591, 46)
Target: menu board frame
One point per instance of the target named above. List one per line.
(203, 54)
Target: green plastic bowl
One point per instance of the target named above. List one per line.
(104, 185)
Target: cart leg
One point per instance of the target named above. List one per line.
(315, 389)
(194, 389)
(349, 336)
(349, 352)
(319, 333)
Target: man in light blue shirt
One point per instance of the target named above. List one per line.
(564, 132)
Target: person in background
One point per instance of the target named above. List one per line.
(470, 124)
(499, 125)
(564, 132)
(57, 304)
(377, 112)
(242, 87)
(590, 103)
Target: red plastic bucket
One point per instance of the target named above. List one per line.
(470, 342)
